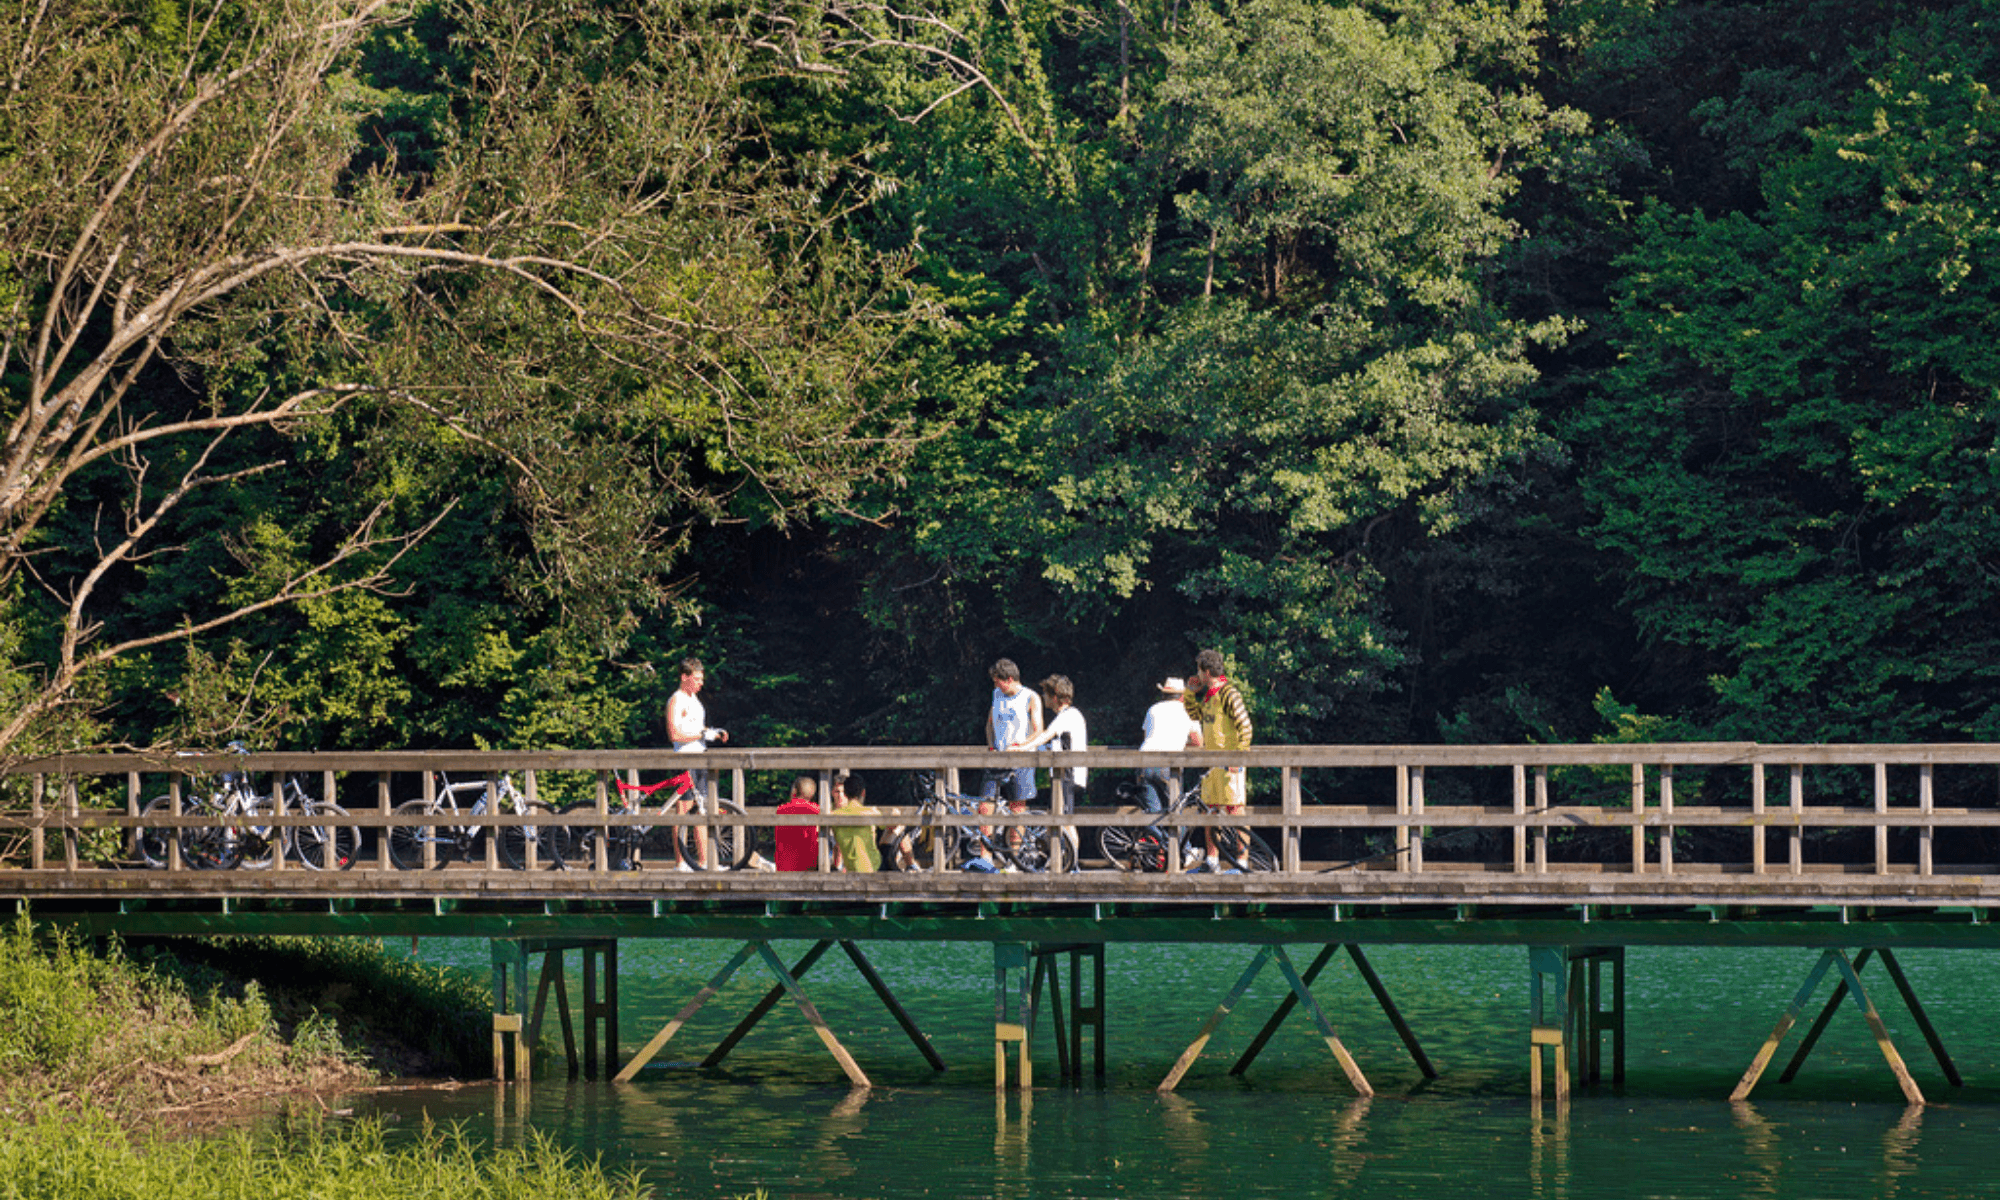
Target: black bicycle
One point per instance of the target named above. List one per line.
(1152, 847)
(965, 847)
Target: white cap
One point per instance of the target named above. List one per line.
(1174, 683)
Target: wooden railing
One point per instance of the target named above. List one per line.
(1598, 824)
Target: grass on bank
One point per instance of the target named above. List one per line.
(86, 1156)
(143, 1031)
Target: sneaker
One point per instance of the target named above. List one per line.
(1010, 869)
(683, 866)
(758, 862)
(983, 866)
(623, 864)
(1201, 868)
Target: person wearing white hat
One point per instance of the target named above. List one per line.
(1168, 727)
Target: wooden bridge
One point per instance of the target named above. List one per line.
(1575, 852)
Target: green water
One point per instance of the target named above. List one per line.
(778, 1115)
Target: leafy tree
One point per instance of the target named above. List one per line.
(589, 282)
(1795, 460)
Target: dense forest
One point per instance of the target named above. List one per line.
(440, 373)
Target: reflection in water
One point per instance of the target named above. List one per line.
(1548, 1153)
(783, 1119)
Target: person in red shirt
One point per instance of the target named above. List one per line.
(798, 845)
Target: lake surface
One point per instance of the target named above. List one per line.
(778, 1114)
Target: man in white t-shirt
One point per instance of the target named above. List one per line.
(1168, 728)
(688, 730)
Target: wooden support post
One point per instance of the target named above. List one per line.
(1590, 1020)
(1926, 804)
(1301, 994)
(553, 977)
(174, 860)
(38, 809)
(1013, 1009)
(1796, 843)
(1390, 1010)
(1417, 809)
(1284, 1009)
(430, 832)
(1541, 831)
(1549, 1017)
(490, 838)
(1340, 1055)
(1520, 810)
(1289, 800)
(896, 1010)
(707, 993)
(72, 811)
(763, 1006)
(1074, 1015)
(851, 1068)
(600, 1007)
(1757, 810)
(1882, 813)
(132, 810)
(1909, 995)
(383, 807)
(1638, 831)
(1401, 857)
(1214, 1021)
(1835, 960)
(1050, 973)
(1667, 812)
(510, 998)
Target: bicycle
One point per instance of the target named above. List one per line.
(1148, 848)
(450, 839)
(1022, 847)
(309, 842)
(626, 845)
(232, 838)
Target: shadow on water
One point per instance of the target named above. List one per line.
(778, 1115)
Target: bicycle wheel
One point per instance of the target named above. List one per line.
(216, 847)
(310, 841)
(1151, 848)
(1120, 845)
(916, 848)
(257, 841)
(727, 839)
(550, 841)
(1027, 846)
(578, 844)
(1245, 850)
(149, 844)
(407, 842)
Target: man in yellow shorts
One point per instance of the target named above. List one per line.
(1215, 705)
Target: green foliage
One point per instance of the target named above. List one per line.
(87, 1158)
(70, 1017)
(1794, 457)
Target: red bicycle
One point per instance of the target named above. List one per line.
(626, 845)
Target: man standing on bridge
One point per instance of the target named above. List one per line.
(688, 731)
(1215, 705)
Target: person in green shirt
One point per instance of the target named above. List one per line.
(856, 843)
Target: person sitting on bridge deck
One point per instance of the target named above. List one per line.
(855, 845)
(798, 845)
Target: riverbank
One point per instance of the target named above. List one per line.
(110, 1054)
(154, 1035)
